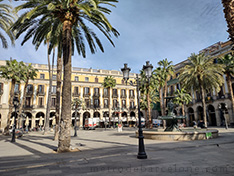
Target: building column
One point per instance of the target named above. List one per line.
(81, 120)
(225, 86)
(101, 98)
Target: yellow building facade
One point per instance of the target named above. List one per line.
(86, 85)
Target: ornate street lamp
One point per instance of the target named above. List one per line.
(148, 70)
(16, 104)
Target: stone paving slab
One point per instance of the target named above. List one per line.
(112, 153)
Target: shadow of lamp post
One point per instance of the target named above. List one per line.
(16, 105)
(148, 71)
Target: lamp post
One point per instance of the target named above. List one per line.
(16, 104)
(77, 106)
(148, 71)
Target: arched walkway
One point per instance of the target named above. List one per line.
(200, 113)
(223, 111)
(191, 116)
(39, 116)
(85, 116)
(211, 115)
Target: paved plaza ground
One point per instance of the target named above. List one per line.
(115, 153)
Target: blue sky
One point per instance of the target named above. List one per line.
(149, 30)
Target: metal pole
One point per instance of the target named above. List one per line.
(13, 131)
(75, 134)
(141, 149)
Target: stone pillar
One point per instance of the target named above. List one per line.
(101, 98)
(81, 120)
(127, 99)
(195, 115)
(218, 118)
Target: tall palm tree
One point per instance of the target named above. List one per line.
(73, 15)
(182, 98)
(11, 71)
(6, 20)
(167, 72)
(228, 62)
(28, 73)
(109, 83)
(229, 15)
(148, 91)
(201, 74)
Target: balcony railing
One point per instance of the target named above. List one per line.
(86, 94)
(41, 93)
(28, 106)
(96, 95)
(53, 93)
(132, 107)
(105, 96)
(115, 96)
(40, 106)
(123, 96)
(132, 96)
(75, 94)
(29, 92)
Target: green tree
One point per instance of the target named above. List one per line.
(28, 73)
(200, 73)
(6, 20)
(182, 98)
(73, 15)
(11, 71)
(148, 96)
(228, 63)
(109, 83)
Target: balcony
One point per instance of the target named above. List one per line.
(29, 93)
(105, 96)
(53, 93)
(75, 94)
(123, 96)
(28, 106)
(96, 95)
(209, 99)
(198, 100)
(115, 96)
(86, 94)
(131, 96)
(40, 93)
(132, 107)
(16, 92)
(40, 106)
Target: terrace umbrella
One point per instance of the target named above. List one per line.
(40, 122)
(27, 123)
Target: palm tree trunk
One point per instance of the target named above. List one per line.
(229, 82)
(22, 104)
(161, 106)
(65, 124)
(47, 119)
(6, 130)
(164, 97)
(203, 102)
(228, 11)
(58, 96)
(149, 111)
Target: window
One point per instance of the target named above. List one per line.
(86, 90)
(87, 103)
(132, 105)
(53, 90)
(76, 90)
(115, 103)
(28, 102)
(96, 103)
(40, 101)
(86, 79)
(96, 91)
(115, 92)
(30, 88)
(106, 103)
(105, 92)
(41, 88)
(42, 76)
(123, 93)
(16, 90)
(96, 80)
(54, 77)
(123, 103)
(76, 78)
(131, 93)
(53, 102)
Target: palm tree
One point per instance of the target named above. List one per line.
(73, 15)
(182, 98)
(229, 15)
(228, 62)
(11, 71)
(109, 83)
(6, 20)
(201, 74)
(167, 72)
(28, 73)
(148, 91)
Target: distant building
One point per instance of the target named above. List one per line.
(86, 85)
